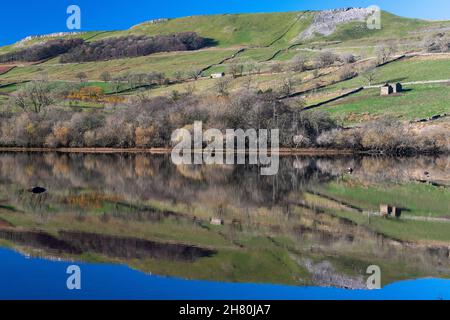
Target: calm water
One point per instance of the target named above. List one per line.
(141, 228)
(25, 278)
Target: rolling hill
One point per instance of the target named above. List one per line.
(266, 47)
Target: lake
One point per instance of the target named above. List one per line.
(140, 227)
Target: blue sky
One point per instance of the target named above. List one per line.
(29, 17)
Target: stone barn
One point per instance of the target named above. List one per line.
(386, 90)
(397, 87)
(385, 210)
(397, 212)
(217, 75)
(389, 89)
(216, 222)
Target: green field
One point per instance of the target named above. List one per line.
(419, 101)
(407, 70)
(391, 26)
(166, 63)
(227, 30)
(417, 198)
(401, 229)
(9, 88)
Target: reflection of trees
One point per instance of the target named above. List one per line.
(143, 177)
(139, 177)
(377, 169)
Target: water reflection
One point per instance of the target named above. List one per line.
(303, 226)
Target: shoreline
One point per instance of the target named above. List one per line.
(281, 151)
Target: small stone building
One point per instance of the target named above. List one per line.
(389, 89)
(386, 90)
(385, 210)
(388, 210)
(216, 222)
(217, 75)
(397, 212)
(397, 87)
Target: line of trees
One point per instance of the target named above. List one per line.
(388, 136)
(34, 119)
(77, 50)
(42, 51)
(133, 46)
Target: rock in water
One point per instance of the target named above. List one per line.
(37, 190)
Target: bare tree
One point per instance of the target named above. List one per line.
(276, 68)
(222, 86)
(348, 58)
(248, 82)
(190, 89)
(179, 75)
(287, 87)
(250, 67)
(156, 77)
(325, 59)
(131, 80)
(385, 52)
(34, 97)
(299, 63)
(437, 43)
(370, 75)
(236, 70)
(347, 73)
(105, 76)
(117, 84)
(194, 74)
(141, 79)
(81, 76)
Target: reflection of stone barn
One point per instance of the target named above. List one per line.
(389, 89)
(217, 75)
(388, 210)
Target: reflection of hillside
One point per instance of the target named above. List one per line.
(110, 246)
(302, 236)
(144, 211)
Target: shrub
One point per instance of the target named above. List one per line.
(144, 136)
(91, 93)
(325, 59)
(347, 73)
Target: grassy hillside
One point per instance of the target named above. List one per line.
(226, 30)
(266, 45)
(392, 26)
(163, 62)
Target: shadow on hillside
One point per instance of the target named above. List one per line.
(209, 42)
(396, 80)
